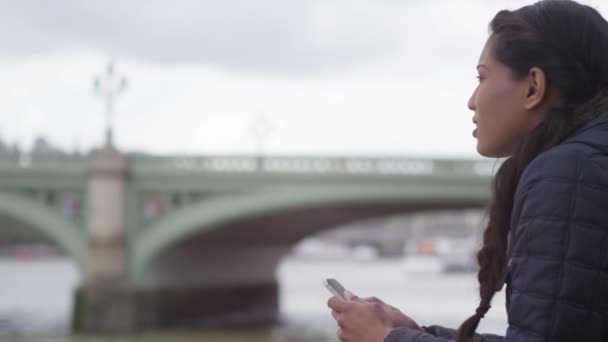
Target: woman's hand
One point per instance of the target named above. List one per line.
(398, 318)
(366, 320)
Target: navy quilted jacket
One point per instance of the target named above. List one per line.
(557, 284)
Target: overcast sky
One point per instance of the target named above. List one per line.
(330, 77)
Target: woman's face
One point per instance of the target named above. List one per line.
(499, 103)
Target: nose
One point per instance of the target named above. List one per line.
(471, 103)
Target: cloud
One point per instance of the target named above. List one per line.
(268, 35)
(264, 36)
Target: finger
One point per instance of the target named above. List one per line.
(374, 300)
(335, 315)
(337, 304)
(342, 321)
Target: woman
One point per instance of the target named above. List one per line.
(542, 101)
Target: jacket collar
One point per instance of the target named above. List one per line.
(594, 133)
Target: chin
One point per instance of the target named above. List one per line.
(486, 151)
(483, 153)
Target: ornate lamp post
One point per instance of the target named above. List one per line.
(108, 87)
(261, 129)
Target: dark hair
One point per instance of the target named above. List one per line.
(569, 42)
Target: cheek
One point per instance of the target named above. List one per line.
(494, 100)
(499, 121)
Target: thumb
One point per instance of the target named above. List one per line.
(374, 300)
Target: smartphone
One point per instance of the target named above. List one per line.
(335, 288)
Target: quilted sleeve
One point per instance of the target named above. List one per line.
(436, 334)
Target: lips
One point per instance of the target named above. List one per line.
(475, 130)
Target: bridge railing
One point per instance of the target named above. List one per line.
(322, 165)
(29, 161)
(270, 164)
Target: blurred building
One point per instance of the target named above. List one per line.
(391, 234)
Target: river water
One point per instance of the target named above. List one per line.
(35, 300)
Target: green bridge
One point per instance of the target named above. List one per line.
(162, 239)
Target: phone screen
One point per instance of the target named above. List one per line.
(335, 287)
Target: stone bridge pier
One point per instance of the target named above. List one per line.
(105, 300)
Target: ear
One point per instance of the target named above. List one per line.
(536, 88)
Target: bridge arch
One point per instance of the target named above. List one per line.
(213, 213)
(63, 232)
